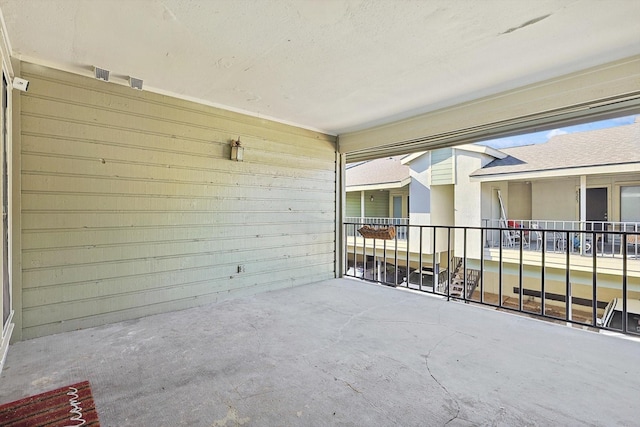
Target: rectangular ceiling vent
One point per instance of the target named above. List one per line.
(101, 74)
(135, 83)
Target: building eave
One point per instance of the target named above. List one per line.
(379, 186)
(559, 173)
(483, 149)
(411, 157)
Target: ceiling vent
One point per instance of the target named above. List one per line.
(101, 74)
(135, 83)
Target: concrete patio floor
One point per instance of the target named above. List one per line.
(340, 352)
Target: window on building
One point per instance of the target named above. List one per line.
(630, 203)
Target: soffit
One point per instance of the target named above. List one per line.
(337, 66)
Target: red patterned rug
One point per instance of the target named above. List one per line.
(69, 406)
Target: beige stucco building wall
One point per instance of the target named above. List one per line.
(468, 201)
(131, 205)
(608, 285)
(552, 198)
(457, 203)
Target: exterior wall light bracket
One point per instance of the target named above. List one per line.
(237, 150)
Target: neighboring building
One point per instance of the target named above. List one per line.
(378, 188)
(548, 181)
(543, 182)
(440, 184)
(579, 181)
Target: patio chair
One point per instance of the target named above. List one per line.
(512, 235)
(559, 241)
(633, 241)
(535, 234)
(576, 243)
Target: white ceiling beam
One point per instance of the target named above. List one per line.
(596, 93)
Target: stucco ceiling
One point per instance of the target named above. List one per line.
(332, 65)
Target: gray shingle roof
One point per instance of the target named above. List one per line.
(617, 145)
(379, 171)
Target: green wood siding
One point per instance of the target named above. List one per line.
(379, 208)
(442, 166)
(131, 206)
(353, 204)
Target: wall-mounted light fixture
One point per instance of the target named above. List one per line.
(237, 150)
(371, 199)
(20, 84)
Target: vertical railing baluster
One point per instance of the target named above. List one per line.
(624, 290)
(449, 272)
(464, 264)
(594, 284)
(364, 255)
(567, 313)
(420, 264)
(374, 272)
(520, 273)
(500, 268)
(408, 250)
(346, 249)
(542, 275)
(436, 271)
(482, 238)
(384, 255)
(395, 259)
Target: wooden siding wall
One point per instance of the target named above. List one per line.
(131, 206)
(379, 208)
(442, 166)
(353, 204)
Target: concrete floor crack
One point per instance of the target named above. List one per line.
(373, 405)
(258, 337)
(360, 314)
(426, 359)
(349, 385)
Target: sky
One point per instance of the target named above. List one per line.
(544, 136)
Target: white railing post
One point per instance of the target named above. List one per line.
(581, 233)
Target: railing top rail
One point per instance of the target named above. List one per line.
(558, 221)
(377, 220)
(539, 229)
(367, 218)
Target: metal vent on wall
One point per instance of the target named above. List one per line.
(101, 74)
(135, 83)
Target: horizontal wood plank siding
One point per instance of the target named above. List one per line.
(353, 204)
(131, 206)
(379, 207)
(442, 166)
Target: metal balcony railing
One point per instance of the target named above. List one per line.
(609, 238)
(551, 273)
(399, 223)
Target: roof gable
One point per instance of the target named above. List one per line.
(602, 147)
(387, 170)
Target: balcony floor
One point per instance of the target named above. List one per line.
(341, 352)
